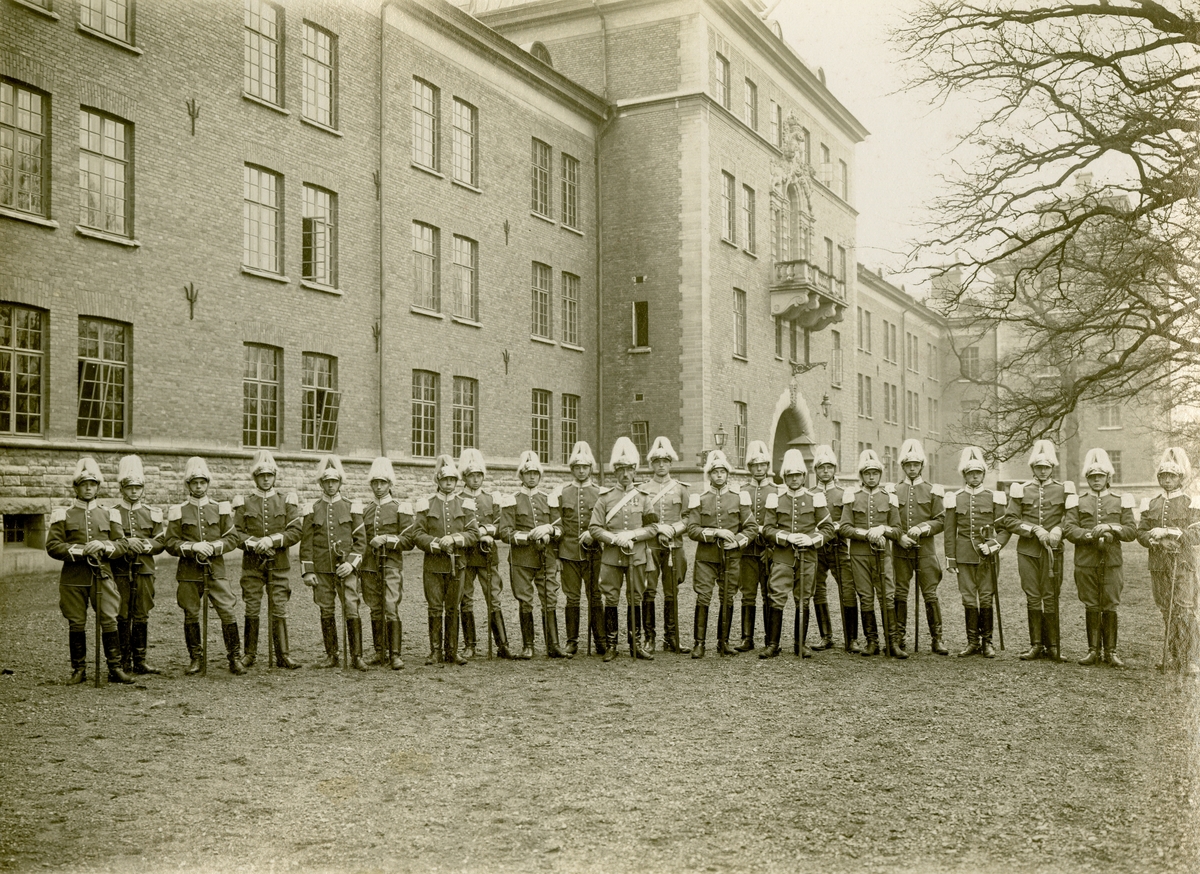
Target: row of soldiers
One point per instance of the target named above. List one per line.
(761, 541)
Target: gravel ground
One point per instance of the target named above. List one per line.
(838, 763)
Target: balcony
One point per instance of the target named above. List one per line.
(807, 294)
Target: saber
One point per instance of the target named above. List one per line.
(1170, 609)
(266, 565)
(94, 564)
(340, 585)
(989, 533)
(205, 565)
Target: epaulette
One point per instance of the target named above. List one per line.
(938, 489)
(1069, 487)
(404, 508)
(175, 512)
(58, 514)
(1127, 501)
(694, 501)
(1195, 504)
(848, 495)
(307, 509)
(238, 501)
(356, 508)
(893, 499)
(114, 515)
(421, 506)
(890, 488)
(772, 501)
(950, 500)
(1072, 501)
(819, 499)
(998, 497)
(552, 499)
(468, 503)
(605, 490)
(1145, 508)
(743, 499)
(495, 496)
(1016, 491)
(224, 509)
(508, 501)
(292, 498)
(155, 514)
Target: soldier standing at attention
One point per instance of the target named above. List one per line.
(1035, 514)
(482, 561)
(333, 539)
(1097, 522)
(1170, 529)
(577, 552)
(445, 530)
(268, 525)
(797, 525)
(83, 537)
(623, 520)
(832, 557)
(389, 525)
(200, 531)
(669, 498)
(720, 521)
(922, 516)
(133, 564)
(527, 526)
(755, 565)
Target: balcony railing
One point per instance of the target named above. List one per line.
(805, 293)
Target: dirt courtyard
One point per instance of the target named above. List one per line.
(835, 764)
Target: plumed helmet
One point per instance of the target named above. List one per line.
(381, 468)
(624, 453)
(1175, 461)
(757, 453)
(264, 462)
(529, 461)
(793, 462)
(196, 468)
(330, 467)
(912, 450)
(443, 468)
(581, 453)
(716, 459)
(824, 454)
(869, 460)
(662, 448)
(972, 459)
(471, 461)
(1097, 461)
(87, 469)
(1043, 453)
(129, 471)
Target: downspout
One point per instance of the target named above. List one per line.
(599, 247)
(379, 338)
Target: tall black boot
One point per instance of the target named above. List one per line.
(378, 641)
(191, 639)
(986, 617)
(1035, 636)
(395, 637)
(572, 618)
(499, 634)
(233, 647)
(550, 632)
(971, 617)
(772, 631)
(747, 642)
(649, 629)
(77, 642)
(526, 636)
(596, 617)
(871, 633)
(1109, 621)
(1091, 621)
(824, 626)
(251, 656)
(900, 626)
(139, 633)
(112, 654)
(470, 642)
(699, 631)
(850, 622)
(354, 643)
(670, 624)
(329, 639)
(724, 626)
(125, 643)
(436, 655)
(798, 635)
(895, 634)
(611, 620)
(933, 616)
(282, 657)
(800, 646)
(1050, 633)
(639, 646)
(453, 656)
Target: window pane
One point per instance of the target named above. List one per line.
(260, 54)
(541, 178)
(465, 413)
(570, 309)
(109, 17)
(320, 402)
(318, 90)
(466, 293)
(102, 378)
(569, 425)
(427, 293)
(424, 414)
(21, 149)
(570, 192)
(425, 124)
(463, 144)
(21, 367)
(260, 236)
(540, 436)
(541, 290)
(260, 396)
(319, 246)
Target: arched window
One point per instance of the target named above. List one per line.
(539, 51)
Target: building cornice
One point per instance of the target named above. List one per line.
(899, 296)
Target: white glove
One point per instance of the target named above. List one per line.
(202, 549)
(446, 543)
(1158, 533)
(344, 570)
(877, 532)
(309, 580)
(266, 546)
(802, 540)
(623, 542)
(914, 533)
(586, 539)
(378, 541)
(908, 541)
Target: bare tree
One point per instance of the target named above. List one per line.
(1094, 287)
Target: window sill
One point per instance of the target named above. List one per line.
(33, 7)
(737, 357)
(27, 217)
(247, 96)
(545, 340)
(321, 127)
(572, 347)
(107, 237)
(728, 242)
(263, 274)
(463, 320)
(751, 254)
(572, 230)
(421, 311)
(425, 169)
(544, 218)
(317, 286)
(836, 385)
(1110, 427)
(639, 350)
(466, 185)
(111, 40)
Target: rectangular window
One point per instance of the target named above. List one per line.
(424, 414)
(318, 94)
(1109, 416)
(104, 190)
(913, 353)
(570, 309)
(750, 110)
(103, 379)
(540, 179)
(970, 366)
(109, 17)
(741, 431)
(914, 410)
(466, 120)
(865, 409)
(894, 399)
(260, 55)
(540, 424)
(723, 80)
(319, 236)
(22, 363)
(776, 124)
(24, 116)
(793, 341)
(1114, 455)
(888, 464)
(887, 402)
(640, 434)
(260, 395)
(465, 410)
(889, 341)
(570, 191)
(728, 208)
(840, 276)
(466, 279)
(843, 180)
(806, 145)
(569, 425)
(828, 259)
(864, 330)
(426, 279)
(835, 362)
(826, 169)
(934, 357)
(319, 402)
(933, 416)
(425, 98)
(837, 442)
(540, 285)
(739, 323)
(748, 219)
(779, 338)
(261, 219)
(641, 324)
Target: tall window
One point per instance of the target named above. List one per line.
(22, 363)
(1110, 416)
(424, 414)
(426, 279)
(893, 399)
(889, 464)
(540, 178)
(320, 236)
(22, 148)
(835, 361)
(1114, 456)
(864, 397)
(261, 219)
(806, 145)
(570, 309)
(103, 379)
(932, 423)
(466, 120)
(741, 430)
(728, 208)
(640, 434)
(539, 438)
(837, 442)
(914, 410)
(466, 279)
(319, 402)
(843, 180)
(970, 366)
(748, 218)
(934, 355)
(641, 324)
(465, 411)
(570, 191)
(540, 285)
(260, 395)
(793, 340)
(779, 337)
(739, 322)
(723, 80)
(317, 102)
(826, 167)
(912, 353)
(103, 172)
(776, 124)
(569, 425)
(109, 17)
(750, 110)
(891, 346)
(425, 124)
(260, 56)
(864, 330)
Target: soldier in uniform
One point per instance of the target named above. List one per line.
(200, 531)
(482, 560)
(1170, 529)
(870, 518)
(389, 533)
(577, 552)
(268, 525)
(974, 537)
(669, 498)
(1097, 522)
(1036, 509)
(755, 565)
(623, 520)
(332, 542)
(445, 530)
(922, 516)
(133, 564)
(719, 519)
(529, 528)
(832, 557)
(797, 525)
(83, 537)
